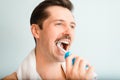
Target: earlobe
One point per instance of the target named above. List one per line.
(35, 30)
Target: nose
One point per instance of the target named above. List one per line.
(68, 31)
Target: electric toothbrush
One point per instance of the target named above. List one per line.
(67, 53)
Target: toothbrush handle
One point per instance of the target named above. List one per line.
(73, 60)
(67, 54)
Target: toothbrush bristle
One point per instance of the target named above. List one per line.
(61, 47)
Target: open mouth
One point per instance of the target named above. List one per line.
(63, 45)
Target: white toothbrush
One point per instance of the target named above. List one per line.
(67, 53)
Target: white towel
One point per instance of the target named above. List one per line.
(27, 70)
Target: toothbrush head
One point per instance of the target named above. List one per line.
(58, 44)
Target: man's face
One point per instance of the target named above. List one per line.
(58, 27)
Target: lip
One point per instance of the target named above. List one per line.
(65, 40)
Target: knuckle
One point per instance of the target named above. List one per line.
(74, 72)
(67, 59)
(82, 61)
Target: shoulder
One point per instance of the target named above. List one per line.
(12, 76)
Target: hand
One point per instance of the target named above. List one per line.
(12, 76)
(78, 71)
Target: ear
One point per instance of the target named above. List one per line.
(35, 30)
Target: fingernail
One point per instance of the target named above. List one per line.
(86, 67)
(73, 61)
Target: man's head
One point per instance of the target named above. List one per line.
(53, 22)
(40, 13)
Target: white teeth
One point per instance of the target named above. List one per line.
(65, 42)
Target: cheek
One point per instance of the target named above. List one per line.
(54, 32)
(51, 35)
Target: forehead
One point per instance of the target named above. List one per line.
(58, 12)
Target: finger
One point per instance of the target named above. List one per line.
(90, 73)
(82, 66)
(69, 62)
(76, 63)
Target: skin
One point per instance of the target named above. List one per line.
(12, 76)
(48, 56)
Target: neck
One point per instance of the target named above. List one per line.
(47, 68)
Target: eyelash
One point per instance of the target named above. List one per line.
(58, 24)
(72, 27)
(62, 24)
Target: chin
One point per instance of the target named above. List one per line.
(61, 60)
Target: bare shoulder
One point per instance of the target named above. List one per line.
(12, 76)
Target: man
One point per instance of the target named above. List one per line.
(52, 22)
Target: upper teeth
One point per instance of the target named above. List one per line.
(65, 42)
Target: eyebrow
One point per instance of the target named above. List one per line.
(72, 22)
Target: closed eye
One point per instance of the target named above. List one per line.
(72, 27)
(58, 24)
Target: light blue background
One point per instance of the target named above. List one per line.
(97, 34)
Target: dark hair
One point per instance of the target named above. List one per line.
(40, 14)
